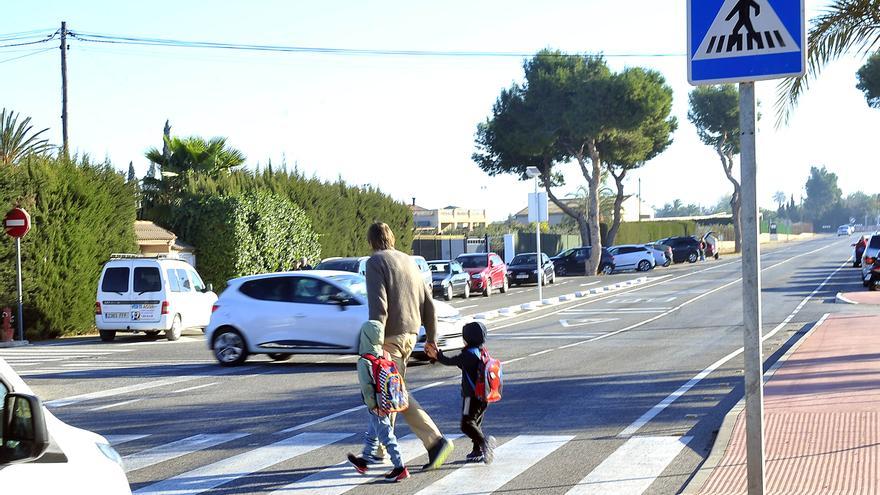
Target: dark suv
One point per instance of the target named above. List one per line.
(684, 248)
(572, 261)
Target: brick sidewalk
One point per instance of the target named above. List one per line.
(822, 417)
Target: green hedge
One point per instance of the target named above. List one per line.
(81, 213)
(339, 213)
(245, 234)
(644, 232)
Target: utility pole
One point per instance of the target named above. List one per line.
(64, 143)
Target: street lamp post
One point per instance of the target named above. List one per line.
(534, 173)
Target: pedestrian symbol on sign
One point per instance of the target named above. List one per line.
(743, 28)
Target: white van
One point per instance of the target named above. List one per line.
(151, 295)
(41, 454)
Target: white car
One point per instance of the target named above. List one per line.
(632, 257)
(425, 270)
(308, 312)
(151, 295)
(41, 454)
(659, 254)
(845, 230)
(872, 251)
(354, 265)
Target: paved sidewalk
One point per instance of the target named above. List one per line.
(822, 418)
(861, 297)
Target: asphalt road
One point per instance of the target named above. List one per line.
(614, 393)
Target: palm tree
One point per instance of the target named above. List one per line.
(844, 25)
(779, 198)
(17, 139)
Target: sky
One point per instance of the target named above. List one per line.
(404, 124)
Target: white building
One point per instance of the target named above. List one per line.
(447, 219)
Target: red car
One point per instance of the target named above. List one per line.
(487, 272)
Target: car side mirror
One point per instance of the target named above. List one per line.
(209, 288)
(25, 436)
(341, 299)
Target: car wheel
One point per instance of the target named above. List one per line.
(467, 291)
(561, 271)
(487, 290)
(447, 295)
(607, 269)
(229, 347)
(279, 356)
(504, 285)
(152, 333)
(644, 265)
(692, 258)
(107, 335)
(173, 333)
(666, 263)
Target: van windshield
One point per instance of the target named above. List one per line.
(115, 280)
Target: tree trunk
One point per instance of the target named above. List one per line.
(735, 199)
(593, 178)
(618, 206)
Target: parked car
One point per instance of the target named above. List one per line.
(308, 312)
(684, 248)
(488, 272)
(352, 264)
(523, 269)
(859, 250)
(573, 261)
(632, 257)
(872, 252)
(449, 279)
(151, 295)
(41, 454)
(662, 254)
(845, 230)
(425, 270)
(874, 275)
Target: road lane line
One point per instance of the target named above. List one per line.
(190, 389)
(230, 469)
(632, 468)
(511, 459)
(173, 450)
(657, 409)
(342, 477)
(118, 404)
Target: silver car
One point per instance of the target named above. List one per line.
(872, 250)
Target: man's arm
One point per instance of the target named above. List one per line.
(377, 295)
(429, 316)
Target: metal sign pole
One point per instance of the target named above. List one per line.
(751, 276)
(540, 273)
(20, 319)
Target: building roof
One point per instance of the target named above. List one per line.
(417, 208)
(147, 231)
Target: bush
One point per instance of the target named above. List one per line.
(339, 213)
(81, 213)
(644, 232)
(245, 234)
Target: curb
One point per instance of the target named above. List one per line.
(725, 432)
(553, 301)
(841, 299)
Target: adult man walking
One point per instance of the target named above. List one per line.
(397, 297)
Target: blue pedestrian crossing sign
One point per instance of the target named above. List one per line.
(745, 40)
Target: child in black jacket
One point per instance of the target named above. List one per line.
(473, 408)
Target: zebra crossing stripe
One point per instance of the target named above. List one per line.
(219, 473)
(121, 439)
(176, 449)
(342, 477)
(632, 468)
(511, 459)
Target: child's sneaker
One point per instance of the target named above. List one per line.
(475, 456)
(374, 459)
(360, 464)
(397, 474)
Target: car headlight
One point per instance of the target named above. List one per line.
(477, 276)
(535, 272)
(110, 453)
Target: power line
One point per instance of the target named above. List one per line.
(173, 43)
(36, 52)
(44, 39)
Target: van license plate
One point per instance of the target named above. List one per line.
(115, 316)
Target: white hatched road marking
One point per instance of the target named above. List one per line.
(342, 477)
(511, 459)
(632, 468)
(118, 404)
(219, 473)
(176, 449)
(118, 391)
(121, 439)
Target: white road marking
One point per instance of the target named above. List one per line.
(466, 307)
(589, 283)
(230, 469)
(121, 439)
(342, 477)
(657, 409)
(511, 459)
(118, 404)
(189, 389)
(579, 322)
(176, 449)
(565, 336)
(632, 468)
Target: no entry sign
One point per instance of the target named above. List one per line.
(17, 222)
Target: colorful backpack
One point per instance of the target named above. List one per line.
(489, 377)
(391, 395)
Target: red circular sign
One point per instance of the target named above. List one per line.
(17, 222)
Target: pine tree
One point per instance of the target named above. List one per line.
(132, 177)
